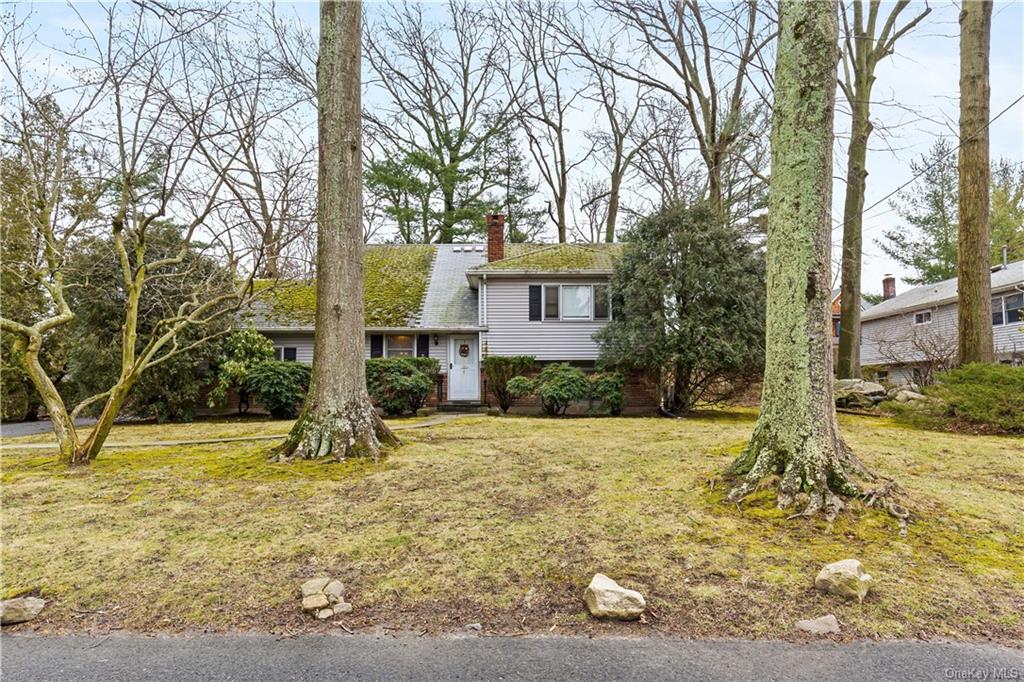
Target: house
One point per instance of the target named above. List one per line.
(460, 302)
(908, 337)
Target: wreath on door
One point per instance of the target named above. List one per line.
(464, 350)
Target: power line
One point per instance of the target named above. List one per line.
(929, 167)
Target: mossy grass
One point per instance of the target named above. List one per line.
(465, 519)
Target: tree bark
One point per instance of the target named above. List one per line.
(974, 309)
(61, 423)
(796, 435)
(337, 418)
(853, 208)
(863, 52)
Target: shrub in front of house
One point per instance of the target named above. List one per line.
(239, 353)
(607, 392)
(558, 386)
(688, 304)
(280, 386)
(401, 385)
(980, 397)
(499, 370)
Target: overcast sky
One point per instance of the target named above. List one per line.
(922, 77)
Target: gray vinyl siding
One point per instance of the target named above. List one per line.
(510, 331)
(887, 338)
(302, 342)
(883, 338)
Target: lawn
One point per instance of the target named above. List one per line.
(503, 521)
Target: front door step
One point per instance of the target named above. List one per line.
(461, 406)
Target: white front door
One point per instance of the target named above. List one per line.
(464, 369)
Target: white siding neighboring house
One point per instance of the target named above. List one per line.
(909, 336)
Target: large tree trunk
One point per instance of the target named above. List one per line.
(856, 176)
(447, 233)
(974, 283)
(338, 418)
(796, 435)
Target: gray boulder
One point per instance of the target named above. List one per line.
(20, 609)
(314, 586)
(825, 625)
(315, 602)
(334, 590)
(906, 396)
(845, 578)
(858, 393)
(605, 598)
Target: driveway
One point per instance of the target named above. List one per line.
(14, 429)
(359, 657)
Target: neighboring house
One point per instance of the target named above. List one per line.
(459, 302)
(909, 337)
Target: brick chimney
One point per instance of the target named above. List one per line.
(495, 237)
(888, 287)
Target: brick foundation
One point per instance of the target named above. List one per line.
(642, 397)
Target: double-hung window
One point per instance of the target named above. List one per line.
(1007, 309)
(576, 302)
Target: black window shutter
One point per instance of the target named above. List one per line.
(423, 346)
(376, 345)
(534, 302)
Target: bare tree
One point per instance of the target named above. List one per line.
(662, 162)
(862, 51)
(143, 170)
(338, 418)
(713, 57)
(592, 217)
(543, 108)
(624, 138)
(974, 283)
(443, 89)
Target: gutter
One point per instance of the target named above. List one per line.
(474, 277)
(381, 330)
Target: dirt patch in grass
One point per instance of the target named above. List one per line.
(503, 521)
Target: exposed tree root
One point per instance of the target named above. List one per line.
(354, 430)
(825, 471)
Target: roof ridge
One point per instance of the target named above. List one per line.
(543, 247)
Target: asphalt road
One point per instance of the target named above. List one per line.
(13, 429)
(347, 657)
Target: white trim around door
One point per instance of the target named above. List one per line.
(463, 367)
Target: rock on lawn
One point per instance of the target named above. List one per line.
(605, 598)
(845, 578)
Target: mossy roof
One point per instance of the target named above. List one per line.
(395, 279)
(554, 258)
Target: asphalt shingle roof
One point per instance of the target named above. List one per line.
(449, 302)
(931, 295)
